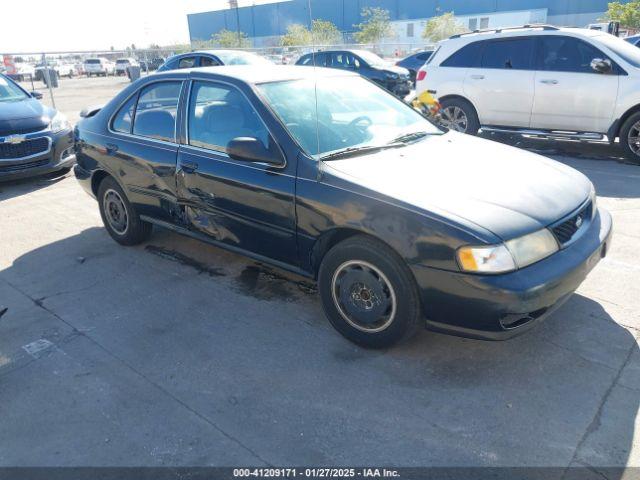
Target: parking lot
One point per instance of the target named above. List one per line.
(179, 353)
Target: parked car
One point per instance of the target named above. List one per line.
(19, 70)
(323, 173)
(413, 63)
(152, 64)
(123, 63)
(99, 67)
(392, 78)
(546, 81)
(212, 58)
(60, 69)
(633, 40)
(34, 139)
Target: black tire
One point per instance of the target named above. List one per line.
(630, 134)
(350, 261)
(472, 124)
(132, 230)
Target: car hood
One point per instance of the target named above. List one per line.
(502, 189)
(394, 69)
(24, 116)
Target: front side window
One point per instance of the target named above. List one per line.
(347, 112)
(512, 54)
(566, 54)
(467, 57)
(218, 114)
(187, 62)
(123, 120)
(155, 115)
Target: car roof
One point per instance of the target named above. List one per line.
(269, 73)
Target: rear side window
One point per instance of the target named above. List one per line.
(566, 54)
(512, 54)
(306, 60)
(123, 120)
(187, 62)
(467, 57)
(155, 115)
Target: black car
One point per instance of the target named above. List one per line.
(323, 173)
(34, 139)
(368, 64)
(414, 62)
(213, 58)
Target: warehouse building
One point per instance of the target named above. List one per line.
(265, 23)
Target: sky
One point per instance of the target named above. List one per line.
(65, 25)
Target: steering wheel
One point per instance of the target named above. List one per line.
(362, 122)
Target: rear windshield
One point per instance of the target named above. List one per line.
(92, 60)
(122, 61)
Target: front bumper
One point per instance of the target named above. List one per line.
(59, 156)
(400, 87)
(497, 307)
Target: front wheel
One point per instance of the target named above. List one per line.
(368, 293)
(630, 138)
(118, 215)
(459, 115)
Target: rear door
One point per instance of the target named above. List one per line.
(247, 205)
(569, 94)
(143, 147)
(501, 87)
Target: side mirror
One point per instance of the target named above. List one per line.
(251, 149)
(36, 95)
(601, 66)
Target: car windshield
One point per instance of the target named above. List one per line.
(371, 58)
(9, 92)
(628, 52)
(92, 60)
(122, 60)
(241, 58)
(334, 114)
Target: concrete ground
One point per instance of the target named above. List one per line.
(179, 353)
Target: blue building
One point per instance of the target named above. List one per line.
(263, 23)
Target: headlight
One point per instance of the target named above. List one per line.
(516, 253)
(59, 123)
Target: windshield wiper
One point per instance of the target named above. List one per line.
(352, 151)
(409, 137)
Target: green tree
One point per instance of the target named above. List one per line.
(324, 32)
(376, 25)
(628, 14)
(441, 27)
(230, 39)
(297, 34)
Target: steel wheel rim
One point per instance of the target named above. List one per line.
(116, 212)
(364, 296)
(633, 139)
(454, 118)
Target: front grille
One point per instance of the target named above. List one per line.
(28, 148)
(566, 230)
(22, 166)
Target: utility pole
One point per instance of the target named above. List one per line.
(234, 4)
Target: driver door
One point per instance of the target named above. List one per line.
(247, 205)
(569, 94)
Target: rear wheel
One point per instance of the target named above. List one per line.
(630, 137)
(459, 115)
(118, 215)
(368, 293)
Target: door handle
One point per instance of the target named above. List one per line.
(111, 148)
(188, 166)
(549, 82)
(477, 77)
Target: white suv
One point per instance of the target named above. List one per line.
(539, 80)
(99, 66)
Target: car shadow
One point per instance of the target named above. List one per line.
(551, 397)
(15, 188)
